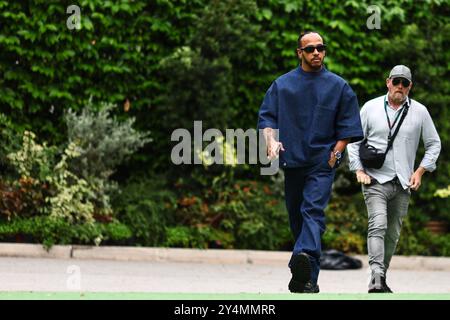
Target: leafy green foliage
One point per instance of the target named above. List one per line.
(243, 214)
(422, 242)
(72, 197)
(33, 159)
(50, 231)
(201, 237)
(169, 63)
(11, 140)
(253, 214)
(52, 185)
(22, 198)
(346, 221)
(68, 196)
(103, 142)
(146, 206)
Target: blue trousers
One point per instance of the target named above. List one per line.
(307, 192)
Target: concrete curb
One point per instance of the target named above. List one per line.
(34, 251)
(216, 256)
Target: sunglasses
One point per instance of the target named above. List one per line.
(405, 82)
(311, 49)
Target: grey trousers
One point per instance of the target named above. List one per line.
(387, 204)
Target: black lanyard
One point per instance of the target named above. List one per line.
(396, 117)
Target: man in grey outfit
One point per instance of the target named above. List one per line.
(387, 190)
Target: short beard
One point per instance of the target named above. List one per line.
(397, 100)
(311, 66)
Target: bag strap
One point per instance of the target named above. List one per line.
(405, 112)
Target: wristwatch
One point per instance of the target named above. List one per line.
(338, 156)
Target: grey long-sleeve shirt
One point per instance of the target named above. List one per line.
(400, 158)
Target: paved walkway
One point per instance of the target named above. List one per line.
(40, 274)
(212, 256)
(194, 271)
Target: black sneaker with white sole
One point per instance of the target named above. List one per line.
(301, 272)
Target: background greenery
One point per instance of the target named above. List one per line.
(140, 69)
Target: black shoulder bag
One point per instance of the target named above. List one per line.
(371, 157)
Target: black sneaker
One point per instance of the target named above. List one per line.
(385, 286)
(311, 288)
(301, 272)
(378, 284)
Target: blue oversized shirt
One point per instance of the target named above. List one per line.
(312, 110)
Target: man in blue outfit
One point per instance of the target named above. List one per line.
(316, 114)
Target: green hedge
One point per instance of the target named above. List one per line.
(50, 231)
(169, 63)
